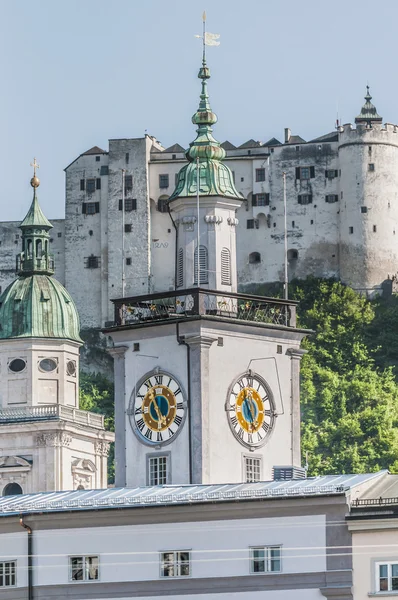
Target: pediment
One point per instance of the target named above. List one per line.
(14, 462)
(83, 464)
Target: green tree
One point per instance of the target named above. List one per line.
(97, 395)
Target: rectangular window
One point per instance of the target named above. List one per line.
(82, 185)
(98, 183)
(265, 559)
(127, 227)
(260, 174)
(252, 224)
(305, 199)
(260, 200)
(157, 466)
(127, 157)
(233, 176)
(8, 573)
(387, 577)
(90, 187)
(129, 204)
(163, 181)
(92, 208)
(176, 179)
(374, 228)
(92, 262)
(331, 173)
(104, 170)
(83, 568)
(371, 167)
(128, 183)
(364, 209)
(305, 173)
(252, 469)
(350, 230)
(175, 564)
(97, 158)
(293, 224)
(59, 234)
(128, 261)
(331, 198)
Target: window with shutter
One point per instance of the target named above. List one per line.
(254, 199)
(225, 266)
(180, 268)
(98, 183)
(82, 185)
(203, 265)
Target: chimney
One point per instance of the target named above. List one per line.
(288, 133)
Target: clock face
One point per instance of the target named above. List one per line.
(159, 409)
(251, 410)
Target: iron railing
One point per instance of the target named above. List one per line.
(184, 304)
(374, 502)
(51, 412)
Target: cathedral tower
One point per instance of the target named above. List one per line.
(206, 380)
(47, 442)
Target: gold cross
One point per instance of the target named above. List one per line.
(35, 166)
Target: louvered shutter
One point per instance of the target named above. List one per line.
(312, 172)
(180, 268)
(97, 207)
(203, 265)
(254, 199)
(297, 172)
(84, 207)
(225, 266)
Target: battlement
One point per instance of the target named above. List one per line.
(362, 133)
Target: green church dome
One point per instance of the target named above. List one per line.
(36, 304)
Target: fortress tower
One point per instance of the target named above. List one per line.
(368, 190)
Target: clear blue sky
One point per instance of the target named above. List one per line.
(78, 72)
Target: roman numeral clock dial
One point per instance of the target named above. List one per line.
(250, 410)
(158, 409)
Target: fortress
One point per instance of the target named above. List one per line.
(342, 215)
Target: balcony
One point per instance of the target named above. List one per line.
(56, 412)
(44, 264)
(198, 302)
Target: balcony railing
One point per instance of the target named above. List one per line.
(51, 413)
(374, 502)
(191, 303)
(24, 264)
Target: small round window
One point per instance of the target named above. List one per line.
(48, 364)
(17, 365)
(71, 368)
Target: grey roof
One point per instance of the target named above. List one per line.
(333, 136)
(94, 150)
(251, 144)
(272, 142)
(175, 148)
(228, 145)
(296, 139)
(169, 495)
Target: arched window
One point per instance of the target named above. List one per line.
(12, 489)
(38, 248)
(292, 254)
(180, 268)
(254, 258)
(203, 266)
(29, 248)
(225, 266)
(163, 204)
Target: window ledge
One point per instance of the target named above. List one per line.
(391, 593)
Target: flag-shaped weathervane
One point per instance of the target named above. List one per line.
(209, 39)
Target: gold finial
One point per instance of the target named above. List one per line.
(204, 16)
(35, 181)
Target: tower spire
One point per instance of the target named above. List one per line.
(368, 114)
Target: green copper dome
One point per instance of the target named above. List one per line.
(205, 153)
(36, 304)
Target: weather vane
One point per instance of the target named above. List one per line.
(209, 39)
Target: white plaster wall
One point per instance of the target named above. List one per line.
(377, 544)
(310, 594)
(218, 548)
(13, 546)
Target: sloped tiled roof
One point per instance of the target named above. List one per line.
(272, 142)
(94, 150)
(228, 146)
(296, 139)
(250, 144)
(333, 136)
(175, 148)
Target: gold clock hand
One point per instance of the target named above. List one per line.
(161, 418)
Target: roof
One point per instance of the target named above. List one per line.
(35, 216)
(333, 136)
(38, 306)
(171, 495)
(368, 112)
(272, 142)
(94, 150)
(175, 148)
(228, 146)
(296, 139)
(250, 144)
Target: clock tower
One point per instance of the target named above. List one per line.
(206, 379)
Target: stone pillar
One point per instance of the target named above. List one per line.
(296, 355)
(199, 413)
(119, 364)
